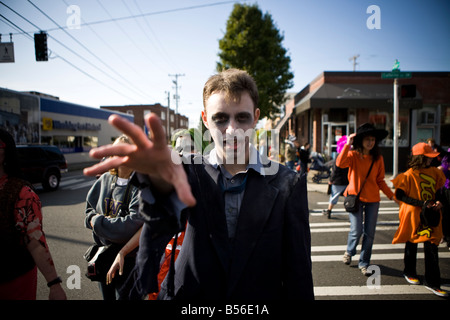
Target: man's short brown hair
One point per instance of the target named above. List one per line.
(232, 82)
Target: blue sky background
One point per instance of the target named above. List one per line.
(131, 59)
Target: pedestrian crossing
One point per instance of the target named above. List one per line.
(329, 257)
(76, 183)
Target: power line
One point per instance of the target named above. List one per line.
(59, 56)
(110, 47)
(130, 38)
(165, 54)
(130, 86)
(144, 14)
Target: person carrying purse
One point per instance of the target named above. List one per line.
(359, 160)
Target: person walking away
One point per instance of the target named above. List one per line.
(24, 244)
(359, 160)
(416, 189)
(111, 213)
(291, 151)
(304, 158)
(338, 180)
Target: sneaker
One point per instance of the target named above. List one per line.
(327, 212)
(438, 291)
(347, 258)
(411, 280)
(365, 272)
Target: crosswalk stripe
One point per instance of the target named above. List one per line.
(375, 256)
(342, 203)
(333, 224)
(327, 230)
(82, 185)
(371, 290)
(342, 248)
(64, 183)
(318, 213)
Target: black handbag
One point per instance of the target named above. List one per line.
(351, 201)
(429, 217)
(100, 259)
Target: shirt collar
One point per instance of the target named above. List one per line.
(254, 160)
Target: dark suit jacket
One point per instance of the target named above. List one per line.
(270, 256)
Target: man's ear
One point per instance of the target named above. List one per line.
(257, 114)
(205, 119)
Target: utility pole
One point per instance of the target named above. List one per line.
(354, 61)
(395, 74)
(176, 96)
(168, 116)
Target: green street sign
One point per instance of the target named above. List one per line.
(396, 74)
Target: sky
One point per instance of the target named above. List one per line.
(118, 52)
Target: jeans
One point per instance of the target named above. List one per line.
(432, 272)
(336, 192)
(290, 164)
(363, 222)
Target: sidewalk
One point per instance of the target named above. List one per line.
(322, 187)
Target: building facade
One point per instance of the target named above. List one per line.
(34, 118)
(336, 103)
(171, 121)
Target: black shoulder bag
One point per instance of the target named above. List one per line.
(351, 201)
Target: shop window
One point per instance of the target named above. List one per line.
(68, 144)
(89, 143)
(384, 120)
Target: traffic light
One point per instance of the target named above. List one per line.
(40, 46)
(408, 91)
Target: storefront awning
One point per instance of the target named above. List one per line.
(357, 96)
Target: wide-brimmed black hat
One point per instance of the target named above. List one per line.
(368, 129)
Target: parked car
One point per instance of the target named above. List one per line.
(42, 164)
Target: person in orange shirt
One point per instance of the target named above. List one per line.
(416, 189)
(365, 149)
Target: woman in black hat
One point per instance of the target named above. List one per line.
(359, 161)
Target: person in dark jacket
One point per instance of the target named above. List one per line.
(338, 180)
(246, 222)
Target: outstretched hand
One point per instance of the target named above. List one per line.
(151, 157)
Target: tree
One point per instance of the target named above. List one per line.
(253, 43)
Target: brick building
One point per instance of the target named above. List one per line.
(173, 121)
(336, 103)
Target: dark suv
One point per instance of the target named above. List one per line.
(42, 164)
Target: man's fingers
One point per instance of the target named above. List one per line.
(121, 150)
(104, 166)
(133, 131)
(158, 133)
(182, 187)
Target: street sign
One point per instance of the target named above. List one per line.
(6, 52)
(396, 74)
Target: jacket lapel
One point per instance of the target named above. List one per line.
(214, 213)
(257, 204)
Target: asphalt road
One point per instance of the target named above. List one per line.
(333, 280)
(68, 239)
